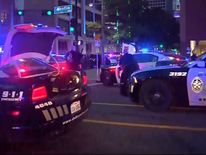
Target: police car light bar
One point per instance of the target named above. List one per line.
(24, 27)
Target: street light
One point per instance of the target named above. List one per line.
(91, 4)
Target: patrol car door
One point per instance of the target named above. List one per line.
(196, 85)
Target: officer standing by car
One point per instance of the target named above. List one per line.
(129, 66)
(73, 59)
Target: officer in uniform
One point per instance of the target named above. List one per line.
(73, 59)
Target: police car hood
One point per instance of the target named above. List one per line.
(155, 68)
(35, 43)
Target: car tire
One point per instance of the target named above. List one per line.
(107, 79)
(156, 95)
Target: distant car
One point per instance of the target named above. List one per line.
(107, 71)
(111, 74)
(161, 87)
(92, 60)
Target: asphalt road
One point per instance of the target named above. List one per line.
(115, 125)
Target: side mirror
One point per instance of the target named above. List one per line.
(201, 64)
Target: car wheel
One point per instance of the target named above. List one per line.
(107, 79)
(156, 95)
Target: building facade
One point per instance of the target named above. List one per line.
(171, 6)
(36, 12)
(192, 26)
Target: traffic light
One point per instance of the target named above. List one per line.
(71, 29)
(20, 12)
(47, 12)
(161, 45)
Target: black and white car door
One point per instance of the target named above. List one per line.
(196, 86)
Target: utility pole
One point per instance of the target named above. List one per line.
(76, 23)
(102, 32)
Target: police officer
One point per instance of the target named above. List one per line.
(73, 59)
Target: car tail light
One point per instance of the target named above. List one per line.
(24, 27)
(15, 113)
(23, 71)
(85, 80)
(112, 70)
(177, 59)
(39, 93)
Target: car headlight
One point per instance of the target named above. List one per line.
(135, 80)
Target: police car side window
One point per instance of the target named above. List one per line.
(141, 58)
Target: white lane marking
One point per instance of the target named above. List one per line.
(142, 125)
(141, 106)
(120, 105)
(94, 84)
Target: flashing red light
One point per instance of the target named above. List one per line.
(80, 66)
(178, 59)
(15, 113)
(24, 27)
(22, 70)
(112, 70)
(85, 80)
(39, 93)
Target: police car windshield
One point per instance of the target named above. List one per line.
(32, 42)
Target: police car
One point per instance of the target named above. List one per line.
(36, 97)
(161, 87)
(112, 74)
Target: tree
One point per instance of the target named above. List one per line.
(125, 13)
(135, 22)
(162, 27)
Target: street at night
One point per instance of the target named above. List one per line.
(102, 77)
(118, 126)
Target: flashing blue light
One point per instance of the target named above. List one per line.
(144, 50)
(58, 27)
(39, 25)
(60, 55)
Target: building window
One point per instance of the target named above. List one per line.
(89, 16)
(98, 18)
(61, 3)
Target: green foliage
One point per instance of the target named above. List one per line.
(145, 25)
(93, 25)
